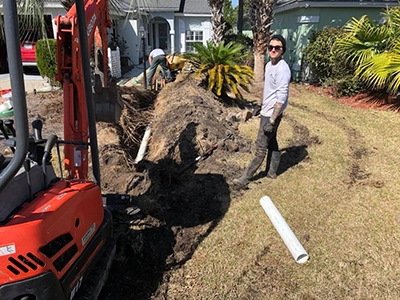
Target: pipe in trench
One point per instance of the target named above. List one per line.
(143, 144)
(296, 249)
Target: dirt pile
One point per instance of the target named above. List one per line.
(181, 201)
(180, 205)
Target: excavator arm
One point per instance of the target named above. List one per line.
(70, 75)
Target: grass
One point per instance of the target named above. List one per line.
(341, 202)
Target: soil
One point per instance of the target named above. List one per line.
(181, 199)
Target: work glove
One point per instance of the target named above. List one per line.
(256, 110)
(269, 127)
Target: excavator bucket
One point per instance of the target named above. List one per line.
(107, 102)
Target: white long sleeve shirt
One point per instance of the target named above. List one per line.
(276, 87)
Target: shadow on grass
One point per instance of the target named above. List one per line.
(292, 156)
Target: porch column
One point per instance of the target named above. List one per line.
(172, 40)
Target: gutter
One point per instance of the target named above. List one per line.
(168, 9)
(310, 4)
(46, 5)
(53, 5)
(192, 15)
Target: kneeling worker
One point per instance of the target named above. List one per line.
(157, 57)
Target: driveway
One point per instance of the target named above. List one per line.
(32, 81)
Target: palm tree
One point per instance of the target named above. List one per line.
(219, 66)
(32, 10)
(261, 16)
(374, 49)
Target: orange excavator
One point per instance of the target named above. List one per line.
(55, 230)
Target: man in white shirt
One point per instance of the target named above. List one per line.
(275, 100)
(157, 57)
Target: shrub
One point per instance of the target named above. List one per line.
(46, 59)
(319, 55)
(346, 86)
(327, 65)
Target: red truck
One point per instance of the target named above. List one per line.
(28, 53)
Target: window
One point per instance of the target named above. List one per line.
(193, 36)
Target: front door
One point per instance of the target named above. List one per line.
(162, 32)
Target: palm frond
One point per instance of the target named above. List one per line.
(362, 40)
(219, 62)
(382, 71)
(212, 75)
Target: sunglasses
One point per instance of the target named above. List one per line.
(277, 48)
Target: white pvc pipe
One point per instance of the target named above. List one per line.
(296, 249)
(143, 144)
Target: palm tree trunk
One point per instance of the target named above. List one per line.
(217, 20)
(261, 16)
(259, 66)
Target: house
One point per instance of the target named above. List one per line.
(297, 19)
(172, 25)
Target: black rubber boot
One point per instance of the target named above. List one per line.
(243, 181)
(274, 164)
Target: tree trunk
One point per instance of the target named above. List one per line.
(217, 20)
(259, 66)
(240, 17)
(261, 16)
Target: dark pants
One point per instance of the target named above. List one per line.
(267, 141)
(162, 61)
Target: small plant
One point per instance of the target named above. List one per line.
(220, 67)
(46, 59)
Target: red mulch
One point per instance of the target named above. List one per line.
(370, 100)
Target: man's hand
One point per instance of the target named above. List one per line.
(269, 127)
(256, 110)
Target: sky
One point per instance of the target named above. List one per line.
(234, 3)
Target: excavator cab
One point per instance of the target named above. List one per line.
(54, 230)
